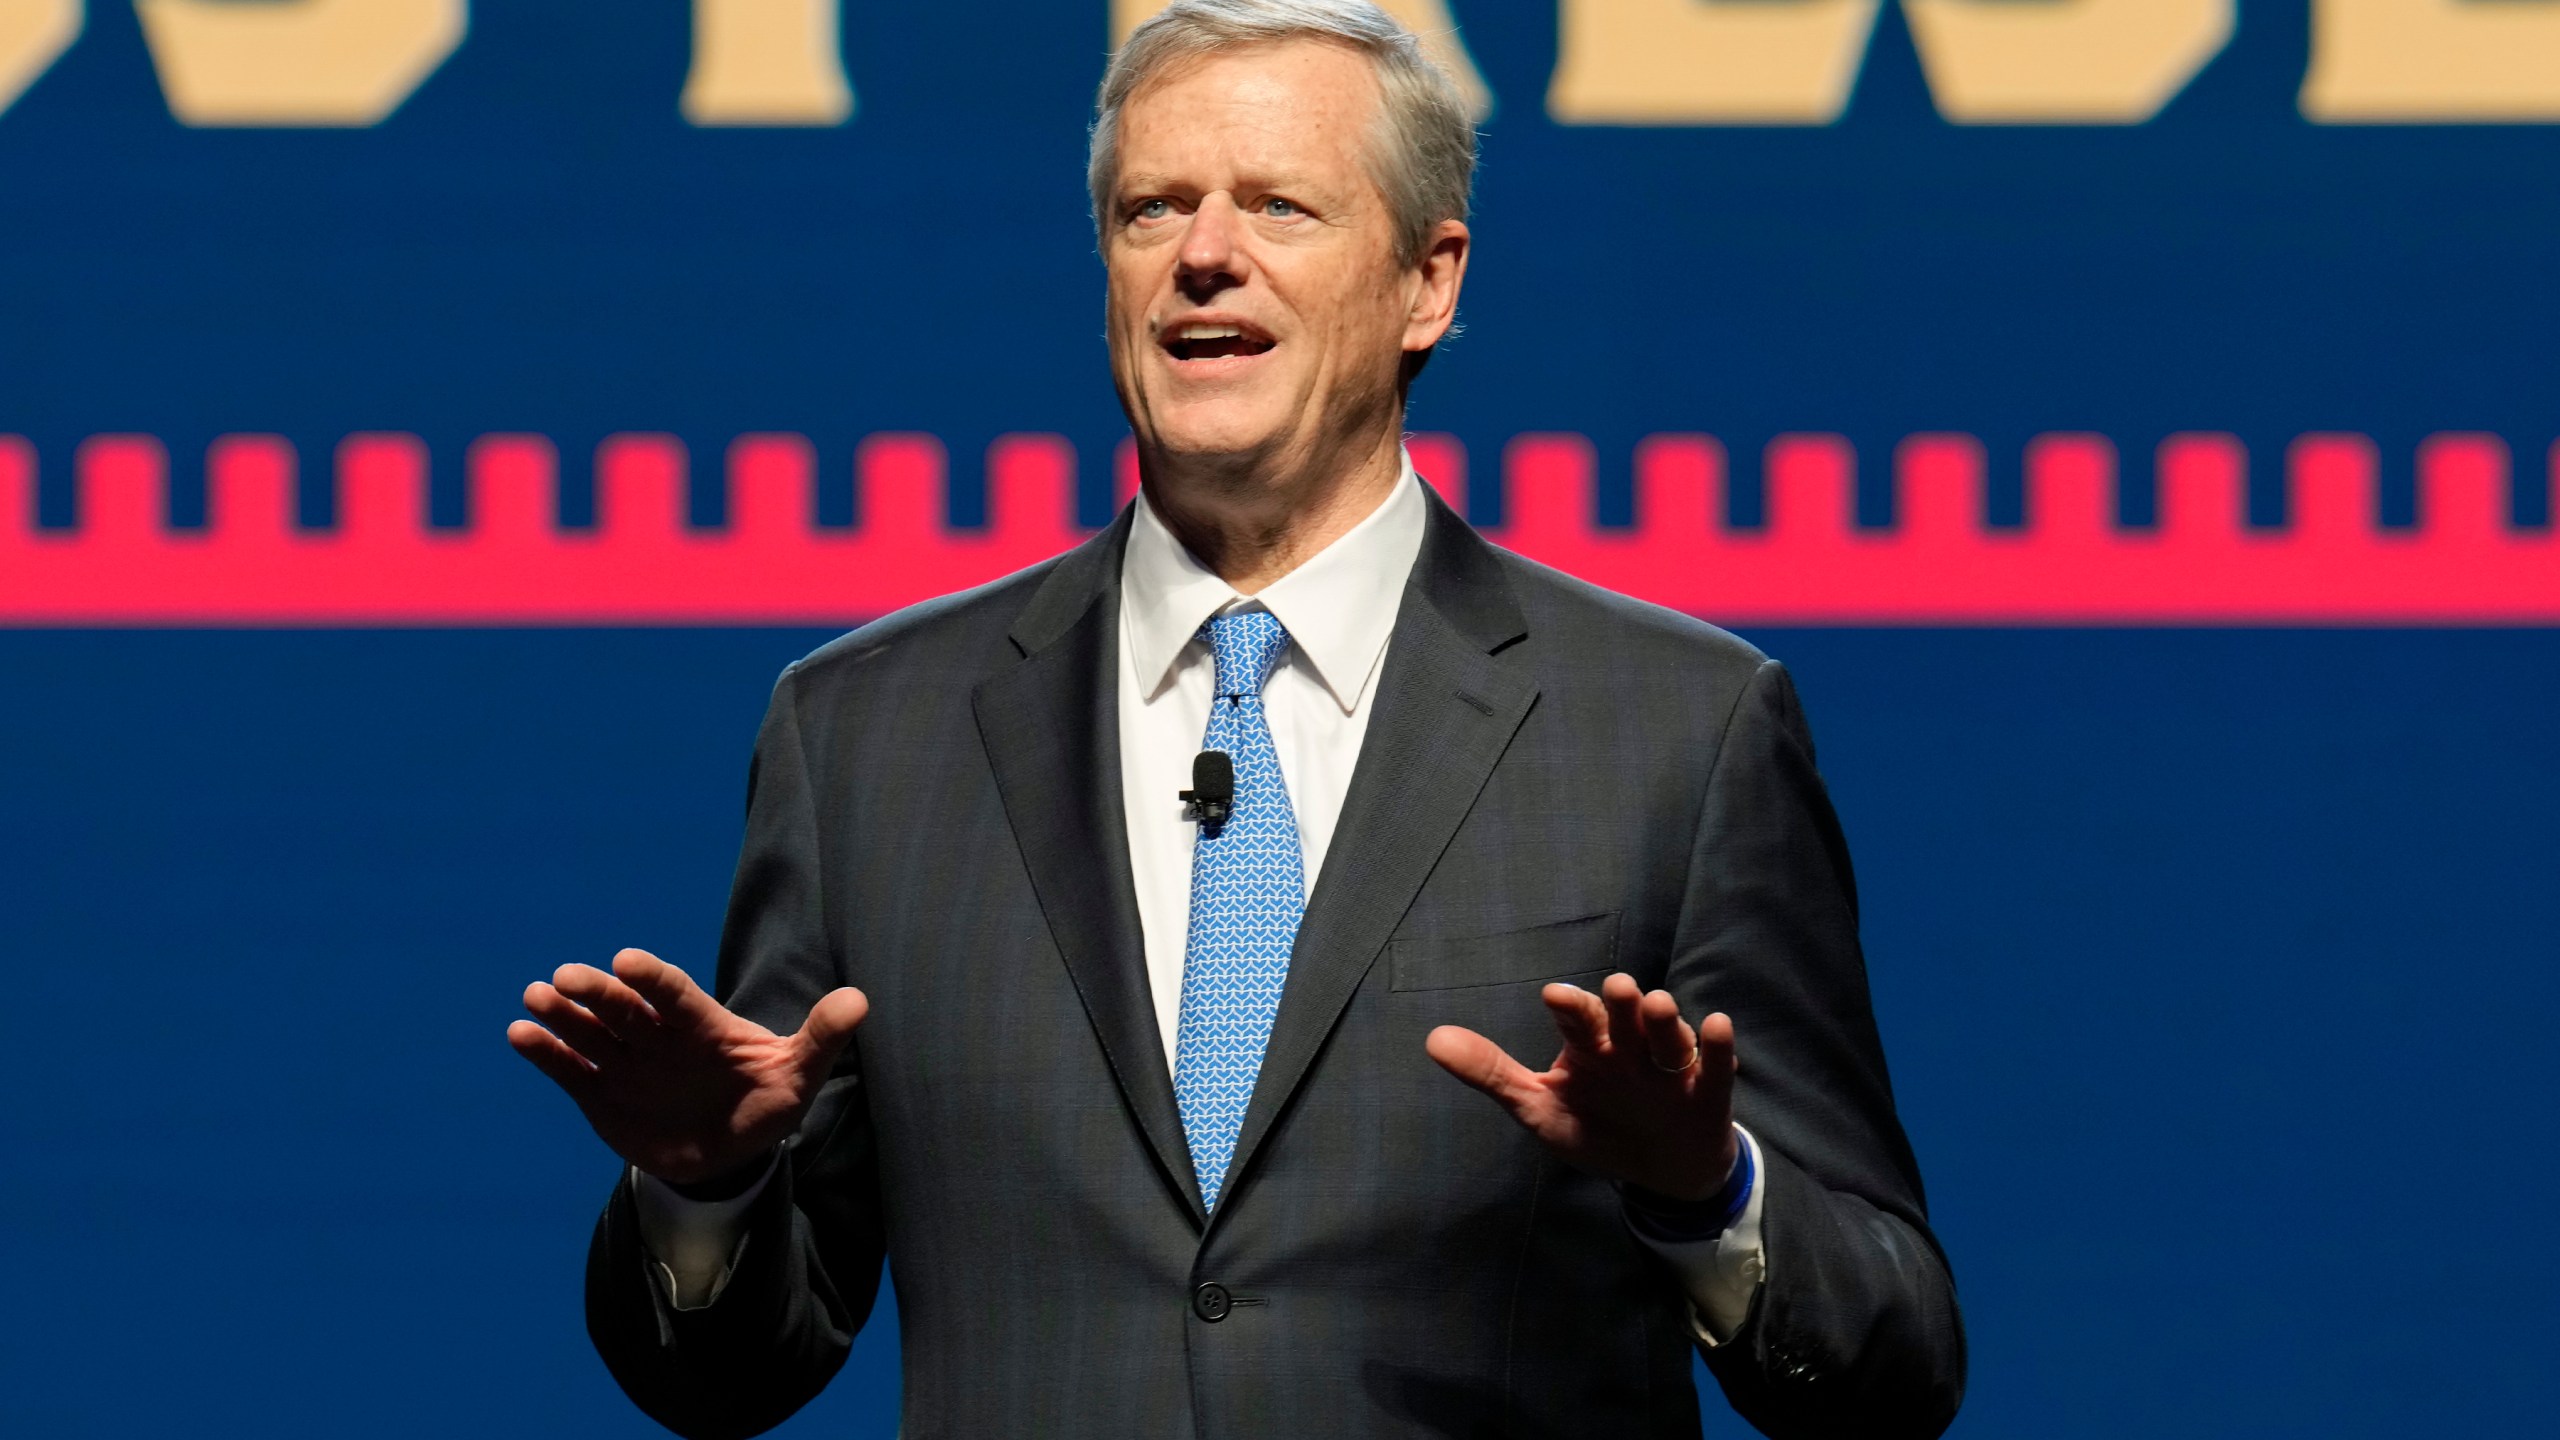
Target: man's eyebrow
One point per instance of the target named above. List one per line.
(1135, 180)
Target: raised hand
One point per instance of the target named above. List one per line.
(1635, 1095)
(676, 1083)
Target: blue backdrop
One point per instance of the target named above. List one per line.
(2214, 964)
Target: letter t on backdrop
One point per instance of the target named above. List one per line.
(767, 62)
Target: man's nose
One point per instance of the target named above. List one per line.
(1212, 255)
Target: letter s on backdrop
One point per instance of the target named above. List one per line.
(1707, 62)
(33, 33)
(2064, 62)
(1726, 62)
(297, 62)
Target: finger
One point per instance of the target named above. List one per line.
(572, 1025)
(1580, 1018)
(830, 1024)
(669, 991)
(1620, 994)
(617, 1005)
(1711, 1083)
(1666, 1036)
(550, 1056)
(1481, 1063)
(1717, 1053)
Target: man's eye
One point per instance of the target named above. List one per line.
(1152, 209)
(1277, 206)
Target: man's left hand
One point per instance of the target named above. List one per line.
(1636, 1095)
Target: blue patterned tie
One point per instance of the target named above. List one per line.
(1248, 890)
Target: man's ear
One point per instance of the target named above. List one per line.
(1440, 272)
(1433, 315)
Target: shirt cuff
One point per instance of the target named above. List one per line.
(1722, 1273)
(693, 1245)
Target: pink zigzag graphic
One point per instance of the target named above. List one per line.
(641, 563)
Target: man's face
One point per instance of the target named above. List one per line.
(1256, 310)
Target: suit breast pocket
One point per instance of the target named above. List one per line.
(1566, 950)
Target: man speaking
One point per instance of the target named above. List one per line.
(1237, 974)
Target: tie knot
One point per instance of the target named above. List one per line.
(1247, 646)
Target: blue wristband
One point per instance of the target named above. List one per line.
(1676, 1223)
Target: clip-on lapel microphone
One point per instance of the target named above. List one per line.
(1212, 795)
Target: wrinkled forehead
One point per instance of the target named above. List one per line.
(1296, 111)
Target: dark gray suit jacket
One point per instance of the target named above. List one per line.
(1556, 782)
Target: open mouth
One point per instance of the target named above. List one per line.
(1214, 341)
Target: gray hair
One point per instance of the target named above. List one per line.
(1424, 155)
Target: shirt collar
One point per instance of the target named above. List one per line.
(1338, 607)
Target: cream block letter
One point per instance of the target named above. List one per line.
(297, 62)
(1708, 62)
(2415, 60)
(2095, 62)
(767, 62)
(1428, 19)
(33, 34)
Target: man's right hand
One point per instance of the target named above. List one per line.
(672, 1080)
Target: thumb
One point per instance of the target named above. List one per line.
(1478, 1061)
(830, 1024)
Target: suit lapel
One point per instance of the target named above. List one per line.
(1447, 709)
(1051, 728)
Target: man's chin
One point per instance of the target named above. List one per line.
(1215, 442)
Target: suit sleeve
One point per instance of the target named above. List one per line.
(1855, 1331)
(808, 1268)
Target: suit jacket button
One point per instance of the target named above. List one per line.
(1211, 1303)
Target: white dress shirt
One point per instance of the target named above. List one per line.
(1339, 609)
